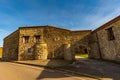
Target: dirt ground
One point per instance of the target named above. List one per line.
(96, 68)
(102, 69)
(13, 71)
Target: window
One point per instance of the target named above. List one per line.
(110, 34)
(37, 38)
(26, 39)
(30, 50)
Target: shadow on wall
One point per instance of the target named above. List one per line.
(81, 46)
(38, 52)
(57, 54)
(10, 56)
(81, 49)
(64, 52)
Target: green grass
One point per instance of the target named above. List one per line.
(82, 55)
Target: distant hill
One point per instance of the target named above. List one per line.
(0, 52)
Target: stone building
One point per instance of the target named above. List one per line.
(43, 42)
(104, 42)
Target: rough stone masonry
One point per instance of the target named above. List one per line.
(43, 42)
(48, 42)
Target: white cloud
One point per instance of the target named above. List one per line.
(103, 14)
(104, 19)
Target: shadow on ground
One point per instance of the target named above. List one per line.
(99, 68)
(49, 66)
(51, 72)
(94, 68)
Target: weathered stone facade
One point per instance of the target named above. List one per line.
(10, 46)
(100, 44)
(43, 42)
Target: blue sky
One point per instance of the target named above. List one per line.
(71, 14)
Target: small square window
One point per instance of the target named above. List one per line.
(110, 34)
(26, 39)
(37, 38)
(30, 50)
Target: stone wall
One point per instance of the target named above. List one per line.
(23, 47)
(10, 49)
(57, 41)
(80, 38)
(94, 51)
(109, 49)
(67, 52)
(55, 38)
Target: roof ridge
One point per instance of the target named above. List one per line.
(80, 30)
(43, 26)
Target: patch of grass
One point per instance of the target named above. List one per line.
(85, 55)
